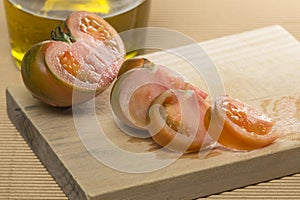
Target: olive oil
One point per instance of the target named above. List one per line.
(31, 21)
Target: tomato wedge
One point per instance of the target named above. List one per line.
(85, 56)
(177, 120)
(244, 127)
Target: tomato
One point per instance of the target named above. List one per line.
(155, 98)
(138, 85)
(235, 125)
(243, 126)
(133, 63)
(85, 56)
(177, 123)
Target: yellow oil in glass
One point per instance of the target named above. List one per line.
(31, 21)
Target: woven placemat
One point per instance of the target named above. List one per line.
(22, 176)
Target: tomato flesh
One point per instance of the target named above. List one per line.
(243, 126)
(84, 56)
(141, 100)
(172, 109)
(142, 85)
(139, 84)
(247, 117)
(69, 63)
(92, 27)
(240, 126)
(180, 133)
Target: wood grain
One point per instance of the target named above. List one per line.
(251, 65)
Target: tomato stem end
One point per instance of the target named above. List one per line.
(62, 33)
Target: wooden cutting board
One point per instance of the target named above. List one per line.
(260, 67)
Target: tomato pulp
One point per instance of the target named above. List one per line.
(179, 114)
(243, 127)
(85, 54)
(147, 96)
(142, 81)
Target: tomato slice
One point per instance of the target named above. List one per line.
(136, 88)
(244, 127)
(85, 55)
(177, 120)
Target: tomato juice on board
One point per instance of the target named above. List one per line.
(31, 21)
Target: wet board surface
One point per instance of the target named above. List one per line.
(260, 67)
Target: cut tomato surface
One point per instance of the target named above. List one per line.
(138, 85)
(85, 54)
(177, 120)
(157, 99)
(243, 127)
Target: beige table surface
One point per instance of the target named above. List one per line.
(22, 176)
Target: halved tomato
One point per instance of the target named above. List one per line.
(177, 121)
(85, 56)
(242, 127)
